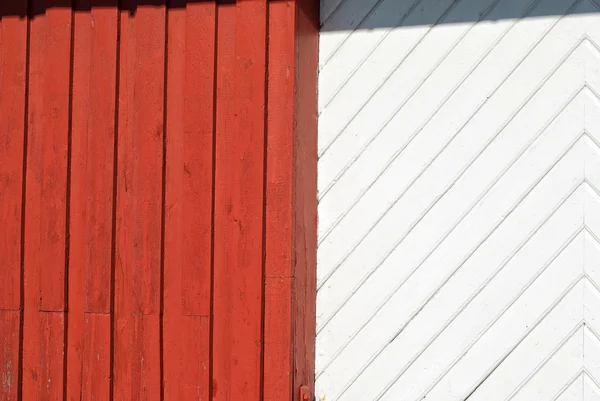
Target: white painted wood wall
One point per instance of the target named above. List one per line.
(459, 190)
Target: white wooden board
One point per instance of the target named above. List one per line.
(459, 200)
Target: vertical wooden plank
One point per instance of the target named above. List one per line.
(137, 308)
(51, 357)
(10, 322)
(239, 227)
(224, 127)
(91, 211)
(173, 330)
(46, 202)
(278, 355)
(196, 169)
(188, 198)
(95, 360)
(305, 193)
(186, 353)
(13, 54)
(13, 59)
(291, 214)
(95, 63)
(48, 147)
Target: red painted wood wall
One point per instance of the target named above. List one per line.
(157, 199)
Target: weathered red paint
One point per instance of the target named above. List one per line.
(189, 201)
(305, 189)
(222, 329)
(158, 200)
(139, 208)
(239, 194)
(290, 203)
(13, 78)
(89, 339)
(46, 204)
(13, 52)
(9, 354)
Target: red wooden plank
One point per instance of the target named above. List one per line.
(305, 193)
(13, 52)
(173, 331)
(186, 352)
(190, 159)
(95, 366)
(137, 284)
(278, 357)
(10, 322)
(46, 203)
(146, 375)
(291, 199)
(188, 198)
(222, 291)
(52, 351)
(91, 211)
(140, 153)
(280, 140)
(278, 374)
(240, 170)
(48, 151)
(94, 80)
(198, 158)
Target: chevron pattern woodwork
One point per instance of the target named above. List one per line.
(459, 201)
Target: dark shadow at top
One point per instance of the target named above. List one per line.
(350, 15)
(24, 8)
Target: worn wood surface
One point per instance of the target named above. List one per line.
(46, 204)
(157, 200)
(13, 79)
(189, 201)
(91, 267)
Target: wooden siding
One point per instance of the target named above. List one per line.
(157, 199)
(459, 200)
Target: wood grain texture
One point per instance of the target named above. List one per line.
(186, 357)
(10, 335)
(46, 201)
(51, 355)
(89, 338)
(290, 220)
(95, 364)
(13, 71)
(240, 196)
(279, 210)
(152, 184)
(48, 158)
(304, 243)
(222, 350)
(13, 59)
(93, 159)
(137, 307)
(279, 381)
(189, 201)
